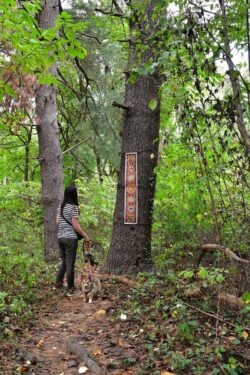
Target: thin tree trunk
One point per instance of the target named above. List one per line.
(26, 163)
(50, 155)
(233, 75)
(27, 155)
(248, 48)
(130, 250)
(203, 169)
(248, 35)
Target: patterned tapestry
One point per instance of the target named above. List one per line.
(131, 191)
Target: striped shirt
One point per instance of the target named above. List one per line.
(65, 230)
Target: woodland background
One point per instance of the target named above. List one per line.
(201, 52)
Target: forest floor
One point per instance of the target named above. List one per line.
(128, 330)
(42, 348)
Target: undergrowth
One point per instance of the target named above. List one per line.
(22, 265)
(175, 333)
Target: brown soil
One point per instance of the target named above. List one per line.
(61, 318)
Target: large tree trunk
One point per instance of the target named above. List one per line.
(130, 250)
(50, 155)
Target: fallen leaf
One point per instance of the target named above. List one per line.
(23, 369)
(6, 319)
(113, 298)
(164, 372)
(83, 370)
(40, 344)
(101, 312)
(8, 331)
(121, 342)
(245, 334)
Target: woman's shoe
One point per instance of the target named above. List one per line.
(58, 285)
(73, 292)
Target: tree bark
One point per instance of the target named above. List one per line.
(233, 75)
(50, 155)
(130, 249)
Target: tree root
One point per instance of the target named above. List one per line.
(77, 349)
(121, 278)
(211, 247)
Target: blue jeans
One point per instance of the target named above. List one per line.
(68, 249)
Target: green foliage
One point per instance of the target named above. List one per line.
(39, 49)
(233, 367)
(97, 205)
(176, 256)
(202, 179)
(21, 261)
(186, 330)
(246, 297)
(180, 362)
(212, 276)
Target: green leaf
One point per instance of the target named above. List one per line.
(220, 278)
(72, 52)
(82, 53)
(10, 91)
(199, 217)
(186, 274)
(236, 341)
(203, 273)
(246, 297)
(47, 79)
(153, 104)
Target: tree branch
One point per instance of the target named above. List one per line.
(75, 146)
(201, 8)
(92, 37)
(228, 252)
(82, 71)
(122, 106)
(110, 13)
(212, 316)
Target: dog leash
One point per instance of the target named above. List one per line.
(90, 270)
(86, 246)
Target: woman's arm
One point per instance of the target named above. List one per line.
(78, 229)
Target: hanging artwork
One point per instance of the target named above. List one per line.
(131, 189)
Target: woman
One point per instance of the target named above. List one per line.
(68, 227)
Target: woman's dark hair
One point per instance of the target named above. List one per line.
(70, 196)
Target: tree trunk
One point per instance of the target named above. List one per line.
(233, 75)
(26, 163)
(50, 155)
(130, 249)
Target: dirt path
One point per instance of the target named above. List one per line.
(63, 318)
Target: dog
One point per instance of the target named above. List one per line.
(91, 288)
